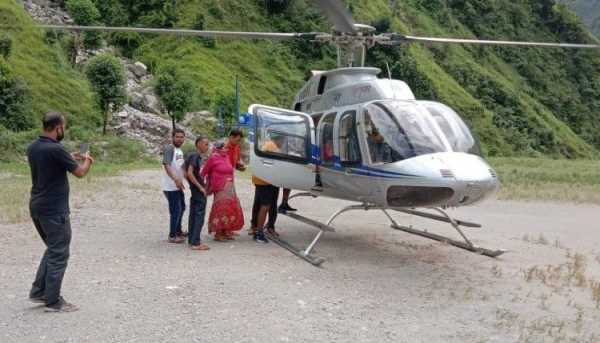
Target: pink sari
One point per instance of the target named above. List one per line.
(226, 214)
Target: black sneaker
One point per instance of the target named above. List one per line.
(317, 188)
(61, 306)
(259, 237)
(287, 207)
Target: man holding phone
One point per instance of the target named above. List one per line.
(49, 207)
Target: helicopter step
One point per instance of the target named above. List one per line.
(306, 253)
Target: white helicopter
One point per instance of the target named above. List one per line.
(357, 137)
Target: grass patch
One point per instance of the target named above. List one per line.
(546, 179)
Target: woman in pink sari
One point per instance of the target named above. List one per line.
(226, 215)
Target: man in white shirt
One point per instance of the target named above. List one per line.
(172, 185)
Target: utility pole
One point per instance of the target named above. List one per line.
(237, 100)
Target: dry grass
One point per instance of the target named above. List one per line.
(572, 273)
(15, 187)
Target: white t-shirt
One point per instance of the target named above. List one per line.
(172, 157)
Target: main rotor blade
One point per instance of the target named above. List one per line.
(337, 13)
(398, 39)
(184, 32)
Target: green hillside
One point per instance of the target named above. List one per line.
(519, 101)
(53, 84)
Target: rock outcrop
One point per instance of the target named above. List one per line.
(47, 12)
(150, 129)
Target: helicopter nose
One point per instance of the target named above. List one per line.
(475, 178)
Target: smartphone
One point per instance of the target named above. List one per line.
(83, 148)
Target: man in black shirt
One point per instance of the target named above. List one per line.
(49, 207)
(193, 166)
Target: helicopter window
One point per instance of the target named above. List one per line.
(397, 130)
(326, 139)
(283, 136)
(322, 83)
(454, 128)
(349, 146)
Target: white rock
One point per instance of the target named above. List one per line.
(139, 69)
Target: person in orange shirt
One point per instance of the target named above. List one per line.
(266, 196)
(233, 148)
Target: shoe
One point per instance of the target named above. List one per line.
(259, 237)
(251, 231)
(38, 300)
(183, 234)
(176, 240)
(61, 306)
(286, 207)
(290, 208)
(317, 188)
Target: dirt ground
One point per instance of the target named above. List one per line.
(377, 285)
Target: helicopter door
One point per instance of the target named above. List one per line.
(283, 147)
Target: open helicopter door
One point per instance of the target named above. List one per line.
(282, 151)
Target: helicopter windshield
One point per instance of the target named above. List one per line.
(398, 130)
(454, 128)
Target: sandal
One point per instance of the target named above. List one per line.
(220, 238)
(272, 232)
(200, 246)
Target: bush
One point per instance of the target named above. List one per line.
(5, 45)
(83, 12)
(13, 145)
(15, 101)
(276, 6)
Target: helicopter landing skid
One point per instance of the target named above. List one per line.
(306, 253)
(456, 224)
(443, 217)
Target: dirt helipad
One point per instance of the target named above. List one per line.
(377, 285)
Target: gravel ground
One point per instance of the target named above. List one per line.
(377, 285)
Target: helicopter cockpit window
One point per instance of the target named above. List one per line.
(398, 130)
(456, 131)
(282, 136)
(326, 139)
(349, 146)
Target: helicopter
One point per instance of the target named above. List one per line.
(354, 136)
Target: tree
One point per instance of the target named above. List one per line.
(84, 13)
(175, 92)
(224, 106)
(15, 101)
(107, 76)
